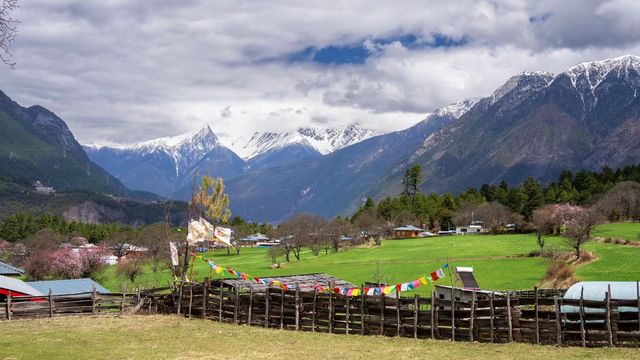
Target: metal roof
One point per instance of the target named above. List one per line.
(596, 290)
(6, 269)
(408, 228)
(16, 285)
(65, 287)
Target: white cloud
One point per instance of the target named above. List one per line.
(126, 71)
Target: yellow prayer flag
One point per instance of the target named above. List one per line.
(355, 292)
(423, 280)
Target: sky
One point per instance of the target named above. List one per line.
(124, 71)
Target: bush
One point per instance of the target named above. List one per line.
(130, 269)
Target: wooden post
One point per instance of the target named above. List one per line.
(416, 306)
(638, 301)
(267, 307)
(250, 304)
(558, 321)
(382, 314)
(190, 298)
(313, 314)
(510, 321)
(8, 306)
(297, 307)
(51, 304)
(453, 316)
(281, 308)
(236, 304)
(608, 313)
(362, 306)
(537, 309)
(180, 298)
(221, 300)
(347, 314)
(398, 324)
(331, 309)
(93, 301)
(124, 295)
(204, 299)
(433, 314)
(493, 316)
(472, 316)
(582, 334)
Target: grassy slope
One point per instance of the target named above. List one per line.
(170, 337)
(500, 261)
(629, 231)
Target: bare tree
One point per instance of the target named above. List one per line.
(369, 225)
(8, 30)
(622, 202)
(579, 228)
(45, 239)
(120, 243)
(542, 219)
(494, 216)
(156, 238)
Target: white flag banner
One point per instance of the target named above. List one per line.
(222, 235)
(174, 254)
(197, 232)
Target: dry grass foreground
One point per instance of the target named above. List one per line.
(171, 337)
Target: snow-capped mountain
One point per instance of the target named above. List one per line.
(324, 140)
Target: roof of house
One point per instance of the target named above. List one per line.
(17, 285)
(65, 287)
(465, 274)
(408, 228)
(596, 290)
(306, 282)
(6, 269)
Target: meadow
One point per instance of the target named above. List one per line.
(500, 261)
(172, 337)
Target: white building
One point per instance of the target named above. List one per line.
(43, 189)
(471, 229)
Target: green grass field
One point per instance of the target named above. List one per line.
(171, 337)
(499, 261)
(629, 231)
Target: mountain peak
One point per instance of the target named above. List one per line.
(523, 82)
(589, 74)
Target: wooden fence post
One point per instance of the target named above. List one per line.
(362, 306)
(51, 304)
(558, 321)
(510, 322)
(204, 299)
(8, 305)
(267, 307)
(348, 314)
(433, 314)
(416, 306)
(180, 298)
(492, 309)
(313, 314)
(638, 301)
(331, 308)
(297, 307)
(250, 304)
(382, 314)
(583, 336)
(93, 300)
(453, 316)
(281, 308)
(608, 314)
(190, 298)
(398, 324)
(537, 309)
(236, 304)
(472, 315)
(221, 300)
(124, 295)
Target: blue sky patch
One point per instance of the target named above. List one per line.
(358, 53)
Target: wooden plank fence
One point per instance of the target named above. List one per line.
(536, 319)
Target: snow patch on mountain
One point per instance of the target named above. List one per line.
(323, 139)
(588, 75)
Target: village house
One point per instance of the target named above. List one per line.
(40, 188)
(407, 231)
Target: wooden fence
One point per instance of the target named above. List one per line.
(512, 318)
(531, 319)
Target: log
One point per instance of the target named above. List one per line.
(267, 307)
(382, 314)
(362, 306)
(582, 324)
(124, 294)
(537, 309)
(235, 307)
(190, 298)
(509, 316)
(453, 316)
(93, 301)
(204, 299)
(179, 307)
(473, 315)
(298, 307)
(51, 303)
(221, 300)
(250, 304)
(608, 315)
(347, 314)
(433, 314)
(330, 308)
(398, 324)
(281, 308)
(493, 316)
(556, 303)
(415, 316)
(313, 314)
(638, 301)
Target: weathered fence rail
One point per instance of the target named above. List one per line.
(532, 319)
(536, 319)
